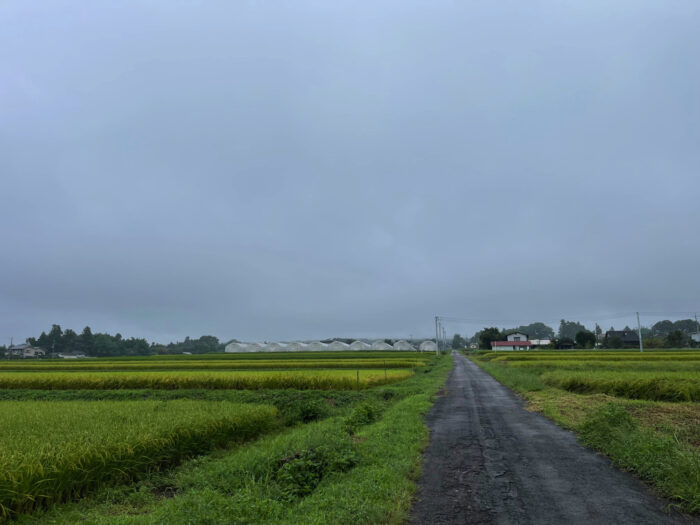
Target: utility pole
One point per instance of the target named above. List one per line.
(437, 346)
(639, 331)
(444, 339)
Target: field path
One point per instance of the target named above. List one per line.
(491, 461)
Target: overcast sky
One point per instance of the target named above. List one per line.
(282, 170)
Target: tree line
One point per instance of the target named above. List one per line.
(663, 334)
(59, 341)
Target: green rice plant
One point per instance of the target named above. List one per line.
(238, 380)
(52, 452)
(651, 385)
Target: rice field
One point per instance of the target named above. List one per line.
(210, 379)
(653, 375)
(211, 364)
(70, 443)
(52, 452)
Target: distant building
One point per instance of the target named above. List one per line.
(359, 345)
(695, 337)
(381, 345)
(428, 346)
(72, 355)
(627, 337)
(26, 351)
(403, 345)
(338, 346)
(511, 345)
(540, 342)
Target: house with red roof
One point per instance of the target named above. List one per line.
(515, 341)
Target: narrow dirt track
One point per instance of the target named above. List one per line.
(491, 461)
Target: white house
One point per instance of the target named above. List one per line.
(428, 346)
(540, 342)
(25, 351)
(515, 341)
(359, 345)
(381, 345)
(403, 345)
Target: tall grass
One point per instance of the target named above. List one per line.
(53, 452)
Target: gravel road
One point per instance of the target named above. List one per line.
(491, 461)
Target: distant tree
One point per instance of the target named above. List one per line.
(537, 331)
(458, 342)
(69, 342)
(86, 342)
(585, 339)
(569, 329)
(662, 327)
(687, 326)
(646, 333)
(488, 335)
(44, 342)
(613, 342)
(676, 339)
(55, 339)
(598, 331)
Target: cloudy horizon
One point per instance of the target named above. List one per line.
(314, 170)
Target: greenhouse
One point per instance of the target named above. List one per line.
(297, 347)
(381, 345)
(403, 345)
(237, 347)
(428, 346)
(359, 345)
(338, 345)
(317, 346)
(275, 347)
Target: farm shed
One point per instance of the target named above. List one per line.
(403, 345)
(338, 345)
(428, 346)
(317, 346)
(359, 345)
(381, 345)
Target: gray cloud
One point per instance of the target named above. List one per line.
(316, 169)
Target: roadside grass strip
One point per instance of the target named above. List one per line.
(651, 385)
(358, 468)
(210, 364)
(52, 452)
(672, 467)
(175, 379)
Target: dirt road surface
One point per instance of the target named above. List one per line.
(491, 461)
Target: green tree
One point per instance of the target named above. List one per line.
(569, 329)
(488, 335)
(55, 339)
(458, 342)
(537, 331)
(585, 339)
(676, 339)
(662, 327)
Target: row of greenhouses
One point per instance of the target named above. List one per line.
(318, 346)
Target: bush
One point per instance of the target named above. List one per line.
(363, 414)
